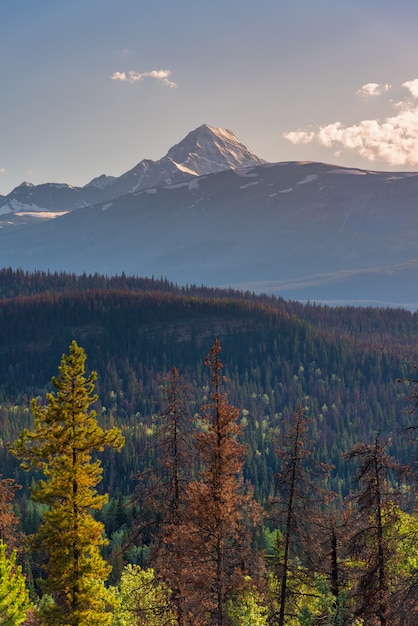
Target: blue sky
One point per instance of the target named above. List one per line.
(94, 86)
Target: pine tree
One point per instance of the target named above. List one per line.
(215, 540)
(171, 473)
(14, 597)
(300, 512)
(374, 538)
(65, 436)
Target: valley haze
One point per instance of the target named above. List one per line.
(211, 212)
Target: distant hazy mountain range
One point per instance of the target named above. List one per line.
(211, 212)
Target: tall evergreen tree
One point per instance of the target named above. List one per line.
(65, 436)
(216, 536)
(172, 471)
(300, 512)
(374, 539)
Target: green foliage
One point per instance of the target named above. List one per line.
(141, 599)
(245, 607)
(322, 607)
(61, 445)
(14, 596)
(342, 362)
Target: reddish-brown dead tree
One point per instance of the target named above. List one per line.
(215, 539)
(9, 522)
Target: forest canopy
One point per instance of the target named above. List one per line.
(339, 368)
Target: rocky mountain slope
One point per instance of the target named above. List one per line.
(203, 151)
(301, 230)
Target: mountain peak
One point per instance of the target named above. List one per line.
(207, 149)
(100, 182)
(25, 184)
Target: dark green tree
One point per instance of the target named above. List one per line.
(65, 436)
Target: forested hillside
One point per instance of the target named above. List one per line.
(335, 369)
(341, 363)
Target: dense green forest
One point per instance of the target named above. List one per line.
(341, 363)
(337, 367)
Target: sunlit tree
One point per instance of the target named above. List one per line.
(14, 596)
(142, 599)
(65, 436)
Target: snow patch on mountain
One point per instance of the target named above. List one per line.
(194, 185)
(348, 171)
(256, 182)
(15, 206)
(247, 173)
(41, 214)
(308, 179)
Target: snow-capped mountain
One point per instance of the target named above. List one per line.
(301, 230)
(48, 198)
(203, 151)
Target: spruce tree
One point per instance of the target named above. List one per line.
(65, 436)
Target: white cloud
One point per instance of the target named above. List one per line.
(300, 136)
(133, 77)
(373, 89)
(412, 85)
(119, 76)
(393, 140)
(2, 170)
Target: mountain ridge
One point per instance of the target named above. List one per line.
(300, 230)
(204, 150)
(305, 231)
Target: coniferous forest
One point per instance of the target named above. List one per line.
(198, 456)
